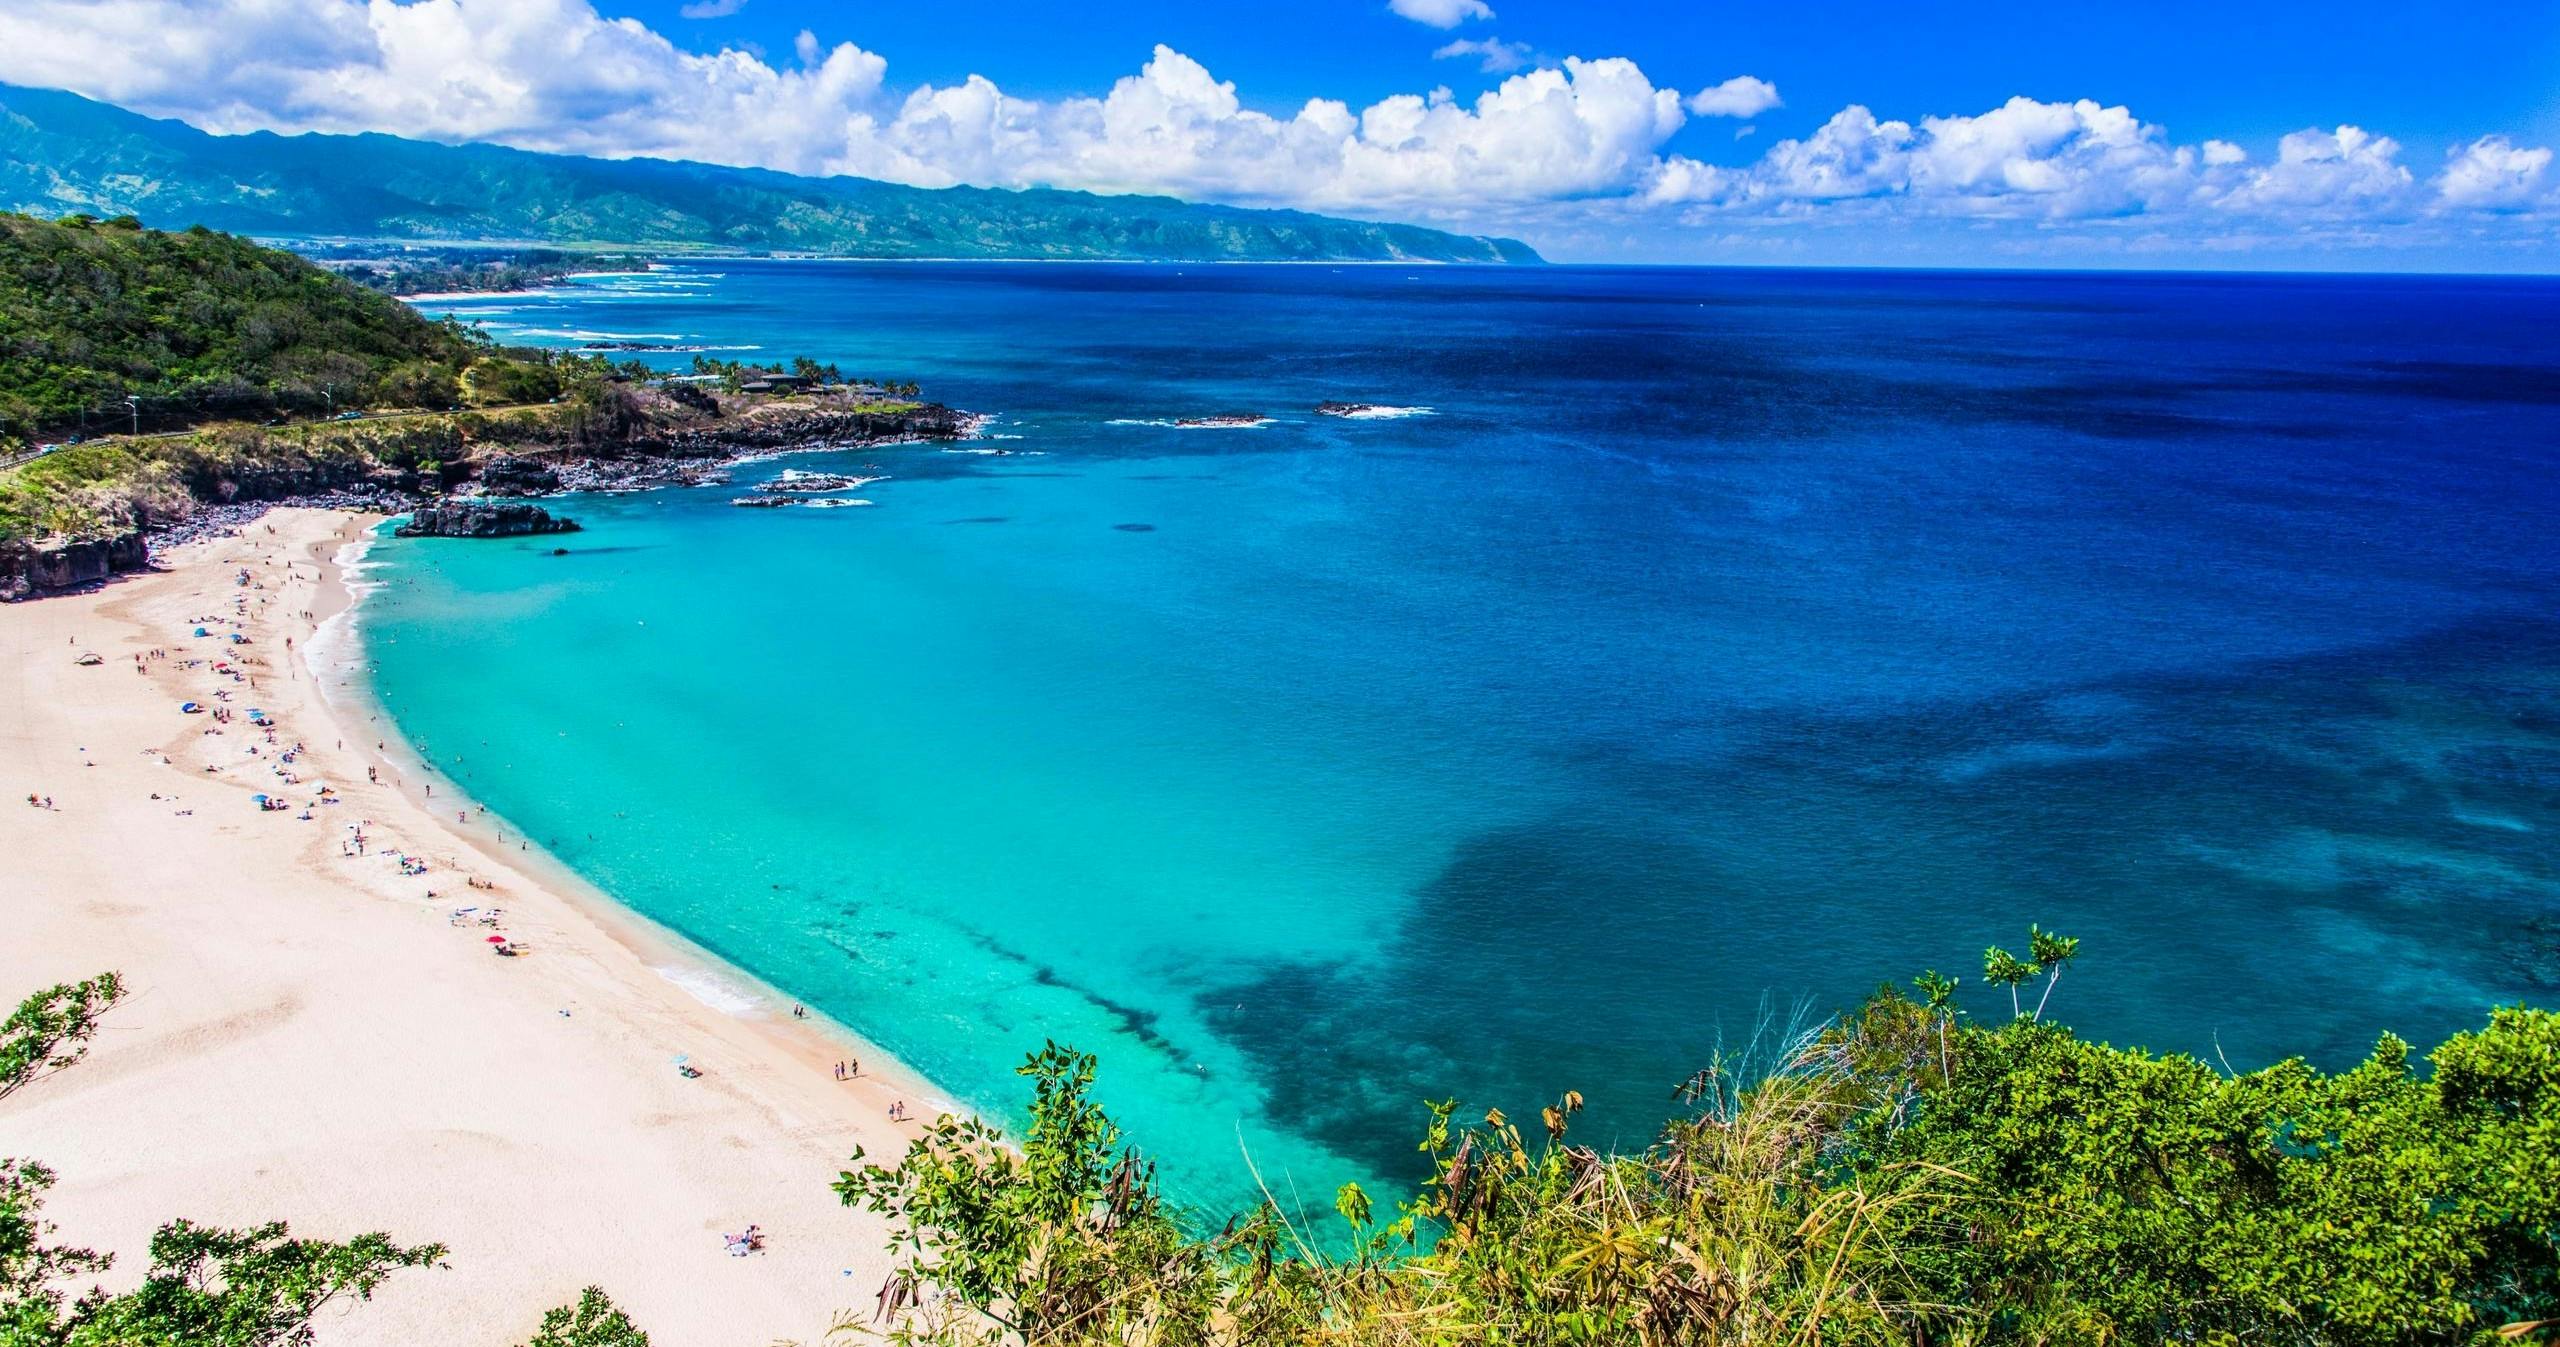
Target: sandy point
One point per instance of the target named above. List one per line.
(313, 1035)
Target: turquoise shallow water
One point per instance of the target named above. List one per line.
(1723, 643)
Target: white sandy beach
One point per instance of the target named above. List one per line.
(309, 1037)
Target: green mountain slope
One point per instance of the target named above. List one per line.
(61, 153)
(193, 325)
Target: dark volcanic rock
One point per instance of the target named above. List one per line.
(692, 395)
(267, 482)
(482, 519)
(802, 426)
(507, 475)
(54, 565)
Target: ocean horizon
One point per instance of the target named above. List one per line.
(1692, 652)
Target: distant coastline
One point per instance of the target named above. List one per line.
(294, 186)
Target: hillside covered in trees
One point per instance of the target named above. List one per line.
(255, 375)
(106, 324)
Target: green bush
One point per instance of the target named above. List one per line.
(595, 1321)
(499, 381)
(1905, 1176)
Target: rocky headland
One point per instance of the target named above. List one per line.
(450, 469)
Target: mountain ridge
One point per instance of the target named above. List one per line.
(61, 153)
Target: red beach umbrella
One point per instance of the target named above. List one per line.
(497, 940)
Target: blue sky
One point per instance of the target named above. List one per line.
(2348, 134)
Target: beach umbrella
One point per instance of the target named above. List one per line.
(497, 940)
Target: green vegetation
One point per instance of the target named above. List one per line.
(735, 375)
(595, 1321)
(109, 326)
(212, 346)
(1905, 1176)
(60, 152)
(51, 1030)
(103, 487)
(1908, 1175)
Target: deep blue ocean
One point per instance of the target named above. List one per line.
(1721, 645)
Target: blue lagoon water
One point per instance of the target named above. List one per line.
(1721, 643)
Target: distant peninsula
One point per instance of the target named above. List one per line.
(62, 154)
(160, 385)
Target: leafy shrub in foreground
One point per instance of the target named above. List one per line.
(1908, 1175)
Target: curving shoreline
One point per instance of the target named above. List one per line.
(330, 1050)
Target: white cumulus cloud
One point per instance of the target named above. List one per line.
(2328, 172)
(2494, 173)
(555, 75)
(2087, 161)
(1741, 96)
(1441, 13)
(543, 74)
(1494, 56)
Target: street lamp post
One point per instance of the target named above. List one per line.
(134, 404)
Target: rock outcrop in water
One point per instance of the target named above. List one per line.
(483, 519)
(678, 451)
